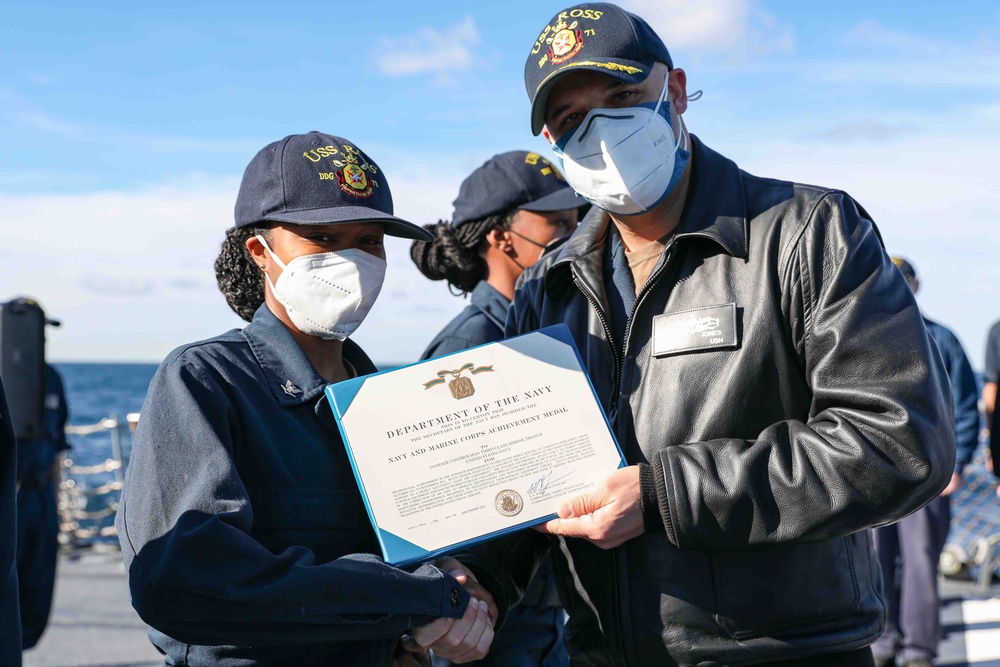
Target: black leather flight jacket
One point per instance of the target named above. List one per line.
(809, 406)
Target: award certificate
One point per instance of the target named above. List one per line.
(475, 444)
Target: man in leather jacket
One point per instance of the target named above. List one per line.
(762, 363)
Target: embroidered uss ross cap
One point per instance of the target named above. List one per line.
(599, 36)
(317, 179)
(514, 180)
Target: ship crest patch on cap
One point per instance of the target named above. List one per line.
(565, 37)
(352, 177)
(565, 43)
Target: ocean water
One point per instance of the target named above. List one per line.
(97, 391)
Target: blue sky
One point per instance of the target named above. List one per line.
(126, 128)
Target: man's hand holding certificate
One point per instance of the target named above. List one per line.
(474, 444)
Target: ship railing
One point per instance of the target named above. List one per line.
(89, 494)
(973, 546)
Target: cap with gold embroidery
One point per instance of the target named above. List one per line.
(509, 181)
(598, 36)
(905, 268)
(318, 179)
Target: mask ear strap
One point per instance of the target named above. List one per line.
(273, 256)
(663, 93)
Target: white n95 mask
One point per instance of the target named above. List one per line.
(328, 294)
(625, 161)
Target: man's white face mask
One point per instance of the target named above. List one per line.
(625, 161)
(328, 294)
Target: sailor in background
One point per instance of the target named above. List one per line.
(913, 624)
(10, 623)
(39, 455)
(242, 527)
(508, 213)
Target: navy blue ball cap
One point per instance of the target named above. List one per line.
(318, 179)
(598, 36)
(509, 181)
(905, 268)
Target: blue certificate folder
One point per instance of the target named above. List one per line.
(395, 549)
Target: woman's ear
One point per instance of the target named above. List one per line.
(548, 136)
(498, 238)
(257, 252)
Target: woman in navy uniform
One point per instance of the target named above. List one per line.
(509, 212)
(242, 528)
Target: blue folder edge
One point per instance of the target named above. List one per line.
(395, 550)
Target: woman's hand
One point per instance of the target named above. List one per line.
(457, 639)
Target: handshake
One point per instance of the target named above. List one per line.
(457, 639)
(608, 516)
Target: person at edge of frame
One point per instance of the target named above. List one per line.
(10, 616)
(993, 461)
(913, 623)
(38, 512)
(39, 461)
(991, 375)
(767, 374)
(242, 527)
(509, 211)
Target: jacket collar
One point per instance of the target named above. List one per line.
(491, 303)
(716, 210)
(290, 375)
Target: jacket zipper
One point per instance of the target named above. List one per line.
(638, 299)
(592, 298)
(616, 396)
(620, 371)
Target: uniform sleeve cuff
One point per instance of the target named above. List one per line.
(655, 499)
(454, 599)
(651, 519)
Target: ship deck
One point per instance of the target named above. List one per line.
(93, 624)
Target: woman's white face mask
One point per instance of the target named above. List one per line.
(625, 161)
(328, 294)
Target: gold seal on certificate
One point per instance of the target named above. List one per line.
(517, 431)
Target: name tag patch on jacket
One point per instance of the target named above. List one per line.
(697, 329)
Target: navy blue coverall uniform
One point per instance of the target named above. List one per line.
(38, 512)
(913, 620)
(532, 634)
(242, 528)
(10, 620)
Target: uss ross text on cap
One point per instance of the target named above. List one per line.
(598, 36)
(318, 179)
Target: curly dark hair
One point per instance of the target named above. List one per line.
(239, 279)
(457, 253)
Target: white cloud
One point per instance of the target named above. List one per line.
(440, 52)
(48, 123)
(735, 29)
(41, 79)
(873, 33)
(878, 54)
